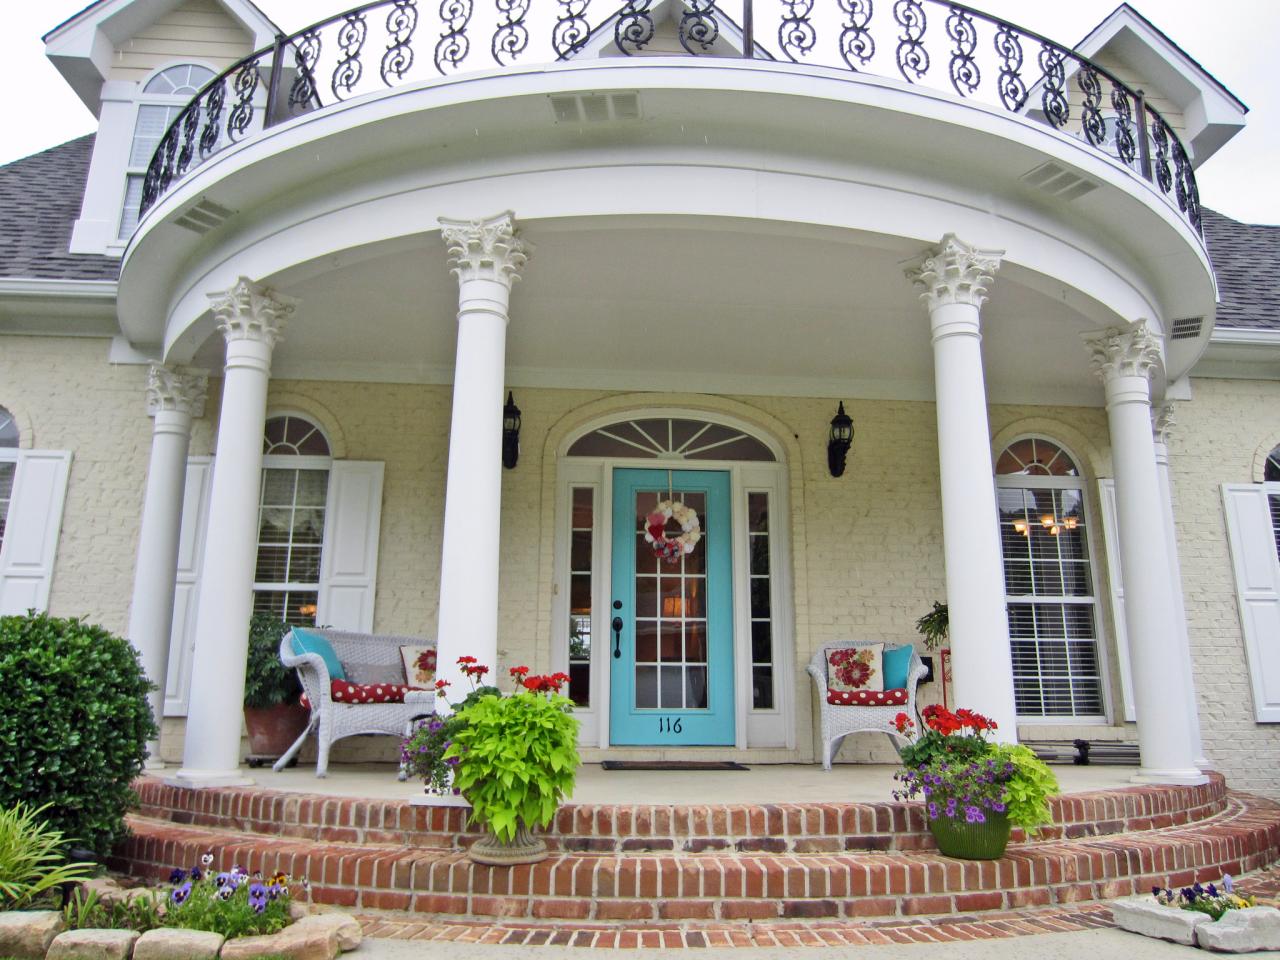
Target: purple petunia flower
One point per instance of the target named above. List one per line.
(180, 894)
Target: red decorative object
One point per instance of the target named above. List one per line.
(343, 691)
(944, 658)
(868, 698)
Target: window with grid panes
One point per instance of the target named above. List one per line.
(1271, 476)
(582, 531)
(291, 515)
(8, 468)
(1050, 596)
(161, 100)
(761, 600)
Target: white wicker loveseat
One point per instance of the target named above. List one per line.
(838, 720)
(367, 659)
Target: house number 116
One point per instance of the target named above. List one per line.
(667, 725)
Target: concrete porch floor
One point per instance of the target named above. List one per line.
(761, 783)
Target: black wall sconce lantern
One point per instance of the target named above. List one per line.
(510, 433)
(840, 441)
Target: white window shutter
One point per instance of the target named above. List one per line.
(186, 593)
(1253, 555)
(349, 560)
(31, 531)
(1111, 537)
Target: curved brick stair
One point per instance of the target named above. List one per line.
(706, 863)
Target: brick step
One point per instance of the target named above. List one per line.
(633, 828)
(732, 886)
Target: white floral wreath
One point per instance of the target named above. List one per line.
(670, 549)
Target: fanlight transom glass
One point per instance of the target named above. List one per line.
(294, 436)
(671, 438)
(8, 429)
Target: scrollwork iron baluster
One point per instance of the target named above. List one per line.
(571, 30)
(1193, 199)
(1095, 131)
(634, 27)
(212, 131)
(511, 37)
(402, 20)
(1008, 47)
(856, 41)
(1126, 146)
(351, 37)
(241, 115)
(168, 146)
(912, 56)
(190, 123)
(698, 25)
(1160, 139)
(306, 53)
(796, 35)
(454, 44)
(1054, 98)
(965, 75)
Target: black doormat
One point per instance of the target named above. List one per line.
(671, 765)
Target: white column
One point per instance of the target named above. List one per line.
(1123, 358)
(250, 317)
(953, 282)
(174, 398)
(1162, 422)
(486, 257)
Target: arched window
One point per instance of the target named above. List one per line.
(670, 437)
(1052, 605)
(159, 103)
(291, 518)
(8, 468)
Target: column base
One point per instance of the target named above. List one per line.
(153, 763)
(1190, 777)
(204, 779)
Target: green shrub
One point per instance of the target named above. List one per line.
(33, 861)
(267, 681)
(75, 725)
(85, 910)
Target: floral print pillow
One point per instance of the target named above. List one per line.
(419, 666)
(856, 668)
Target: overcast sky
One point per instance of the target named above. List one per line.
(1235, 40)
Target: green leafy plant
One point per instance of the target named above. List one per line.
(1029, 787)
(86, 910)
(231, 903)
(267, 681)
(517, 755)
(33, 862)
(75, 725)
(1209, 899)
(935, 626)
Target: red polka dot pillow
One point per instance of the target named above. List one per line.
(343, 691)
(856, 668)
(868, 698)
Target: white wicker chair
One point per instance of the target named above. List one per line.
(840, 721)
(366, 658)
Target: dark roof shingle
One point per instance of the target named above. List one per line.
(39, 202)
(1246, 260)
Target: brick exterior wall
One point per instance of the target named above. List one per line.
(867, 557)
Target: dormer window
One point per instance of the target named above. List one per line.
(159, 103)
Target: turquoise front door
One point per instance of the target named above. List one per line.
(671, 637)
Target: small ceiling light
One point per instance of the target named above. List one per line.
(839, 442)
(510, 433)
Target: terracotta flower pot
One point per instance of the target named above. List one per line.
(272, 730)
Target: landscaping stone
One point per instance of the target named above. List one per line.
(1143, 915)
(90, 944)
(345, 927)
(1242, 931)
(26, 934)
(172, 943)
(298, 942)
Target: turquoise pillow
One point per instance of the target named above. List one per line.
(897, 661)
(304, 641)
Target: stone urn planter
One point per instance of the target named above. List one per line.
(525, 847)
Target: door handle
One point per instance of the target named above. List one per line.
(617, 637)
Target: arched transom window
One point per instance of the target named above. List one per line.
(1052, 606)
(291, 518)
(8, 429)
(671, 438)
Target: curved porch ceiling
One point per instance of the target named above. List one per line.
(856, 177)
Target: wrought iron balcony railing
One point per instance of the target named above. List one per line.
(949, 46)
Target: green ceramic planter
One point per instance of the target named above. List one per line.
(971, 841)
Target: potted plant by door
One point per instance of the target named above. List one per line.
(974, 791)
(272, 714)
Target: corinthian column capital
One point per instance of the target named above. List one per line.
(177, 389)
(1128, 350)
(251, 311)
(488, 249)
(955, 272)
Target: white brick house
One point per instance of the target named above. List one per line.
(301, 262)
